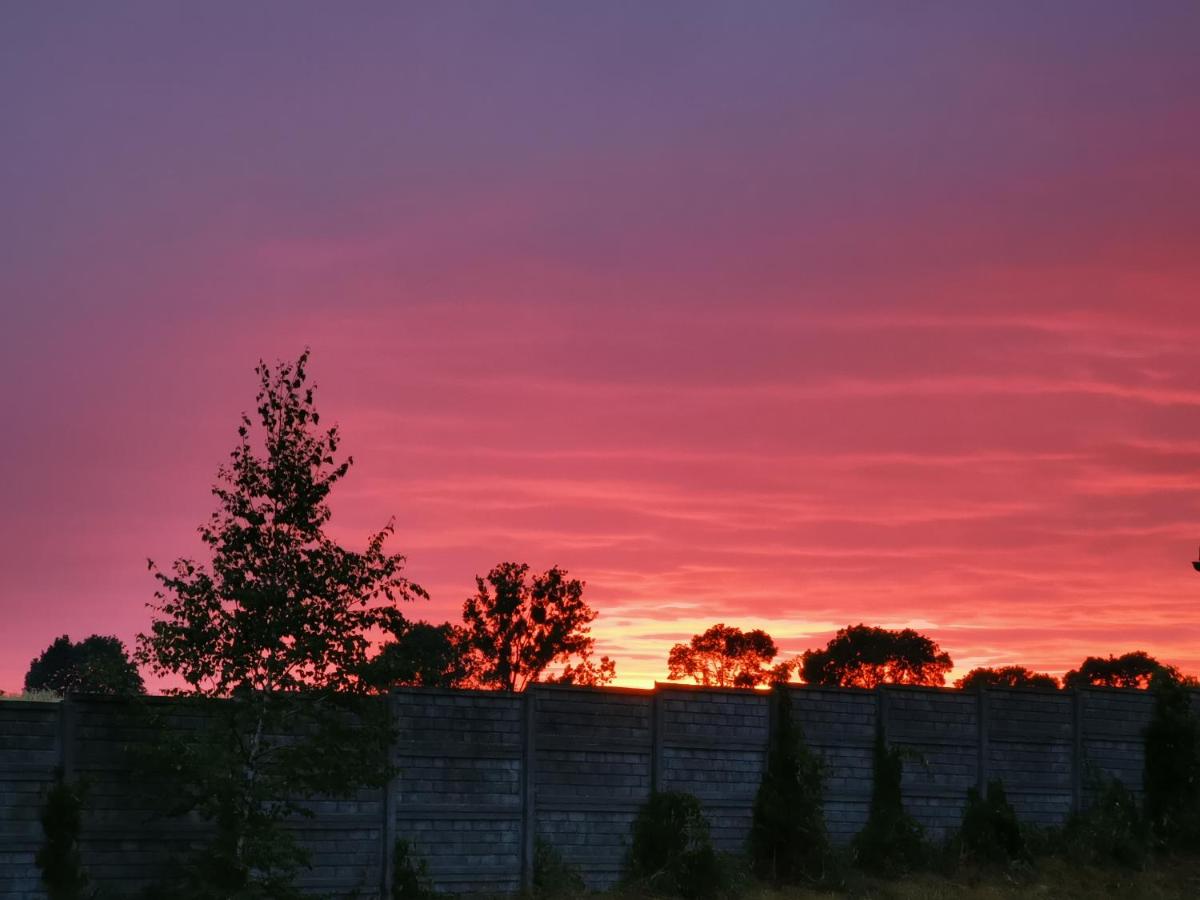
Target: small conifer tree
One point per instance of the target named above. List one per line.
(58, 858)
(892, 841)
(788, 839)
(672, 849)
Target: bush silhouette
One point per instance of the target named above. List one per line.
(1112, 829)
(672, 851)
(410, 875)
(58, 858)
(990, 831)
(553, 876)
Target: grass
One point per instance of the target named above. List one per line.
(1171, 879)
(1053, 878)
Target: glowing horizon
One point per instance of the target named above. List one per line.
(788, 319)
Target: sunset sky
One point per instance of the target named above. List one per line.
(784, 315)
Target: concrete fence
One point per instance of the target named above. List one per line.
(481, 775)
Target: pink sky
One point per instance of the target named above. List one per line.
(793, 319)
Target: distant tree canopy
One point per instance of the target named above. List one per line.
(1130, 670)
(420, 655)
(725, 656)
(95, 665)
(1006, 676)
(516, 627)
(865, 656)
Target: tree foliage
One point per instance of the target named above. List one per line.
(96, 665)
(672, 849)
(892, 842)
(553, 875)
(410, 874)
(1111, 829)
(419, 655)
(1172, 765)
(517, 627)
(1006, 676)
(788, 839)
(1130, 670)
(275, 629)
(990, 831)
(58, 858)
(865, 656)
(725, 656)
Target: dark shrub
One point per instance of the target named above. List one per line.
(672, 851)
(892, 842)
(1112, 829)
(788, 840)
(58, 857)
(1173, 765)
(410, 874)
(553, 876)
(990, 831)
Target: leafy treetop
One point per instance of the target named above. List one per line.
(516, 627)
(725, 656)
(1130, 670)
(283, 607)
(1006, 676)
(96, 665)
(865, 656)
(420, 655)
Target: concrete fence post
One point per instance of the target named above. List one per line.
(387, 875)
(1077, 750)
(773, 717)
(981, 713)
(528, 786)
(655, 739)
(65, 738)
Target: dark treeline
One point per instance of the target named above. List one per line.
(865, 656)
(509, 640)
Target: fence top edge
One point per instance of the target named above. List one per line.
(11, 703)
(452, 692)
(660, 686)
(618, 690)
(18, 703)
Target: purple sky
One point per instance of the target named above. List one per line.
(790, 316)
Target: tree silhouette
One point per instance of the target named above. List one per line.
(1006, 676)
(891, 842)
(277, 627)
(96, 665)
(788, 840)
(1172, 764)
(1130, 670)
(517, 627)
(725, 656)
(865, 656)
(421, 655)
